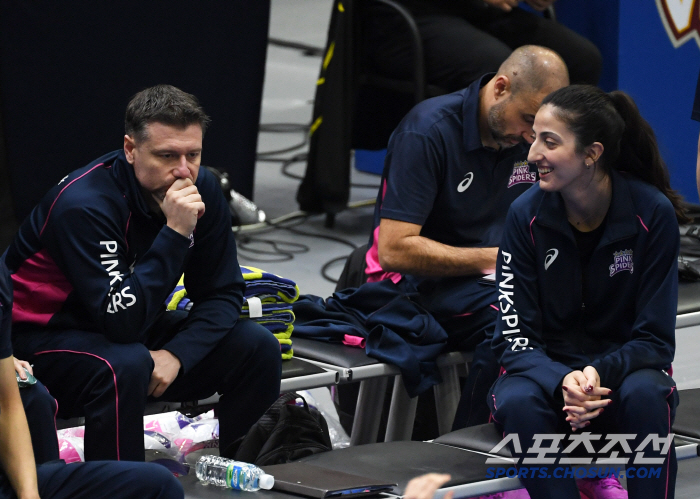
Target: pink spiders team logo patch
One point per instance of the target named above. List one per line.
(522, 174)
(623, 261)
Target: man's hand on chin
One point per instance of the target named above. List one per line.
(166, 368)
(182, 206)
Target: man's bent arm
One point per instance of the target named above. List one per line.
(119, 298)
(402, 249)
(213, 281)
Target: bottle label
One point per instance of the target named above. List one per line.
(233, 474)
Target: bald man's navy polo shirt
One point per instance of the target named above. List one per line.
(437, 174)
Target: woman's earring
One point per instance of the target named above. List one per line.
(588, 166)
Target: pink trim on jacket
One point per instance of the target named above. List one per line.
(642, 222)
(40, 289)
(59, 195)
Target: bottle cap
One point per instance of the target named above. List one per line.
(266, 481)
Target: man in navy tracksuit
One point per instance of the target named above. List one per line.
(606, 299)
(453, 167)
(94, 263)
(19, 477)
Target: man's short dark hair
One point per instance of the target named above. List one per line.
(162, 104)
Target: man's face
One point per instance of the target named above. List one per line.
(511, 119)
(167, 154)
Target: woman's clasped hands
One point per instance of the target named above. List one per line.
(583, 397)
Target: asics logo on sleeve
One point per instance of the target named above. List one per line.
(464, 184)
(552, 255)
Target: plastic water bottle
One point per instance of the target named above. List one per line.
(232, 474)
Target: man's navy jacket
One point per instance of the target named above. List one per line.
(91, 256)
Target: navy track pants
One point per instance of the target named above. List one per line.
(124, 480)
(473, 408)
(644, 404)
(108, 382)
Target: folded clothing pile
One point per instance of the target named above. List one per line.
(178, 300)
(267, 301)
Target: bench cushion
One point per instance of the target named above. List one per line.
(332, 353)
(687, 421)
(480, 438)
(398, 462)
(294, 368)
(688, 298)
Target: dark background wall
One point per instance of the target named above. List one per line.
(68, 69)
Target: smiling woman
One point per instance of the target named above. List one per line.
(581, 134)
(588, 276)
(564, 168)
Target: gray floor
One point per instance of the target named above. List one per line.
(288, 98)
(290, 83)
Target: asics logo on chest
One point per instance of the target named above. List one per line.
(551, 255)
(466, 182)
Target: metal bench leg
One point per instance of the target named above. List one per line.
(447, 396)
(370, 402)
(402, 413)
